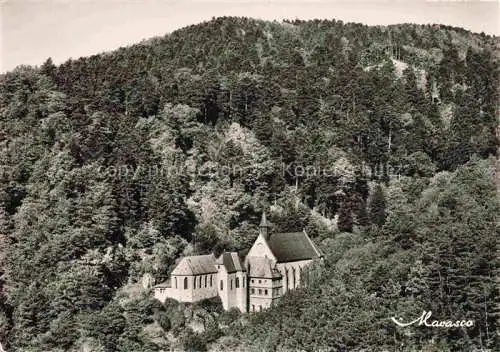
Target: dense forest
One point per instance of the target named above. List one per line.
(379, 141)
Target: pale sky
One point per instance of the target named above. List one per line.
(33, 30)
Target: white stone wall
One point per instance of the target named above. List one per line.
(231, 291)
(222, 285)
(192, 293)
(232, 296)
(161, 294)
(241, 292)
(176, 292)
(259, 300)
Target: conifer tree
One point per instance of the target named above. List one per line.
(345, 220)
(377, 206)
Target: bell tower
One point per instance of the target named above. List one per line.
(264, 227)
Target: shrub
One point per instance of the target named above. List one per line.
(178, 321)
(163, 320)
(230, 316)
(211, 305)
(193, 342)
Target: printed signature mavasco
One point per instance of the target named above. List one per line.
(424, 320)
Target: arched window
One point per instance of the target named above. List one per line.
(221, 285)
(185, 283)
(175, 282)
(211, 280)
(286, 278)
(237, 283)
(194, 282)
(205, 281)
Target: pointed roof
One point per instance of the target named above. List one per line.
(196, 265)
(262, 267)
(231, 262)
(263, 220)
(207, 264)
(293, 246)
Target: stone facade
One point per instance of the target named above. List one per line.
(275, 264)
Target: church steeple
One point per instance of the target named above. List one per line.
(264, 227)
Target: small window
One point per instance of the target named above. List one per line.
(185, 283)
(211, 280)
(199, 282)
(252, 291)
(253, 307)
(260, 308)
(231, 284)
(252, 281)
(260, 281)
(237, 283)
(205, 280)
(194, 282)
(265, 292)
(221, 285)
(243, 282)
(260, 291)
(175, 282)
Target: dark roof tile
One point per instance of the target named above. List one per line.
(196, 265)
(231, 262)
(292, 246)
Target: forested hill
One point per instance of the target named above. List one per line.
(380, 141)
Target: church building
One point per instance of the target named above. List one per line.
(275, 264)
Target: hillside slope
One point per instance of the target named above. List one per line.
(115, 165)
